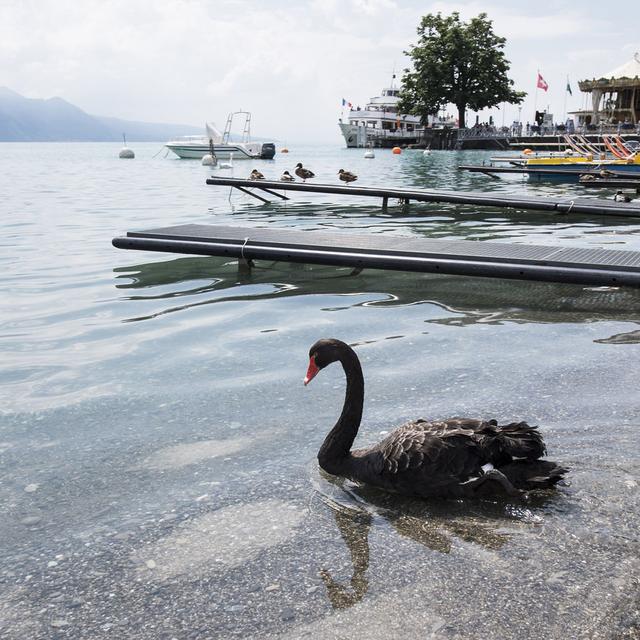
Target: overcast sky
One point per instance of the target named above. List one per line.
(290, 64)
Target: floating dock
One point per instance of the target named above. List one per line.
(548, 142)
(587, 206)
(610, 183)
(548, 171)
(585, 266)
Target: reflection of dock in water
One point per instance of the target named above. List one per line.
(192, 281)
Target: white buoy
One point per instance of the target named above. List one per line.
(126, 152)
(227, 165)
(209, 161)
(369, 153)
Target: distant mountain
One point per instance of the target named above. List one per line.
(31, 120)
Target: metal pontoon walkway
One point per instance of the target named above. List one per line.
(590, 206)
(548, 170)
(403, 253)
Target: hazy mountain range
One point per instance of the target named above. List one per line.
(33, 120)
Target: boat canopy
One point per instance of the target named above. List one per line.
(213, 133)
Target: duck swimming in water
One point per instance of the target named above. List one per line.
(453, 458)
(256, 175)
(621, 197)
(347, 176)
(303, 173)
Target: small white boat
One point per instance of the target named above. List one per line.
(223, 146)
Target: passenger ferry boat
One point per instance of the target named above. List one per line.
(380, 124)
(223, 147)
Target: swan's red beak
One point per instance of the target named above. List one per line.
(312, 371)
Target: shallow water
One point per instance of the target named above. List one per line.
(158, 448)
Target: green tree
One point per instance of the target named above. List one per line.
(456, 63)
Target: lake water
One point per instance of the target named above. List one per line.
(158, 474)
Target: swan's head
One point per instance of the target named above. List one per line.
(322, 354)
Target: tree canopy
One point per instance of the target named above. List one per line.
(456, 63)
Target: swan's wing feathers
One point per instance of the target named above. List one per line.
(520, 440)
(411, 447)
(423, 457)
(444, 428)
(402, 450)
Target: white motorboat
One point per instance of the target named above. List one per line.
(223, 146)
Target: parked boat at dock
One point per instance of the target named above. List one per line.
(223, 147)
(380, 124)
(619, 158)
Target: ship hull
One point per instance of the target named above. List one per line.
(223, 152)
(357, 136)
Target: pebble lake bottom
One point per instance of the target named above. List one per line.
(158, 449)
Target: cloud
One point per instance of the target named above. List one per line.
(290, 64)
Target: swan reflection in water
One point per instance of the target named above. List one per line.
(354, 528)
(434, 524)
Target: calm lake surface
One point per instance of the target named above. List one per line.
(158, 474)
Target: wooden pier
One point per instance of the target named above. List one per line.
(564, 205)
(587, 266)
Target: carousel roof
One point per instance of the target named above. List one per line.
(630, 69)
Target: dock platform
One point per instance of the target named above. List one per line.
(548, 170)
(610, 183)
(564, 205)
(587, 266)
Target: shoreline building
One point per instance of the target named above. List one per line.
(615, 97)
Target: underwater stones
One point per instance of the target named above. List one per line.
(182, 455)
(228, 537)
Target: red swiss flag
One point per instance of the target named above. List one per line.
(542, 83)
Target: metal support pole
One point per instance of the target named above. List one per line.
(252, 194)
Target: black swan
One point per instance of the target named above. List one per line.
(453, 458)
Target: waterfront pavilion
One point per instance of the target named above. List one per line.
(615, 96)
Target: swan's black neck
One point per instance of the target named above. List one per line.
(334, 452)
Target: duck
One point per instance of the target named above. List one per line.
(287, 177)
(452, 458)
(347, 176)
(256, 175)
(303, 173)
(621, 197)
